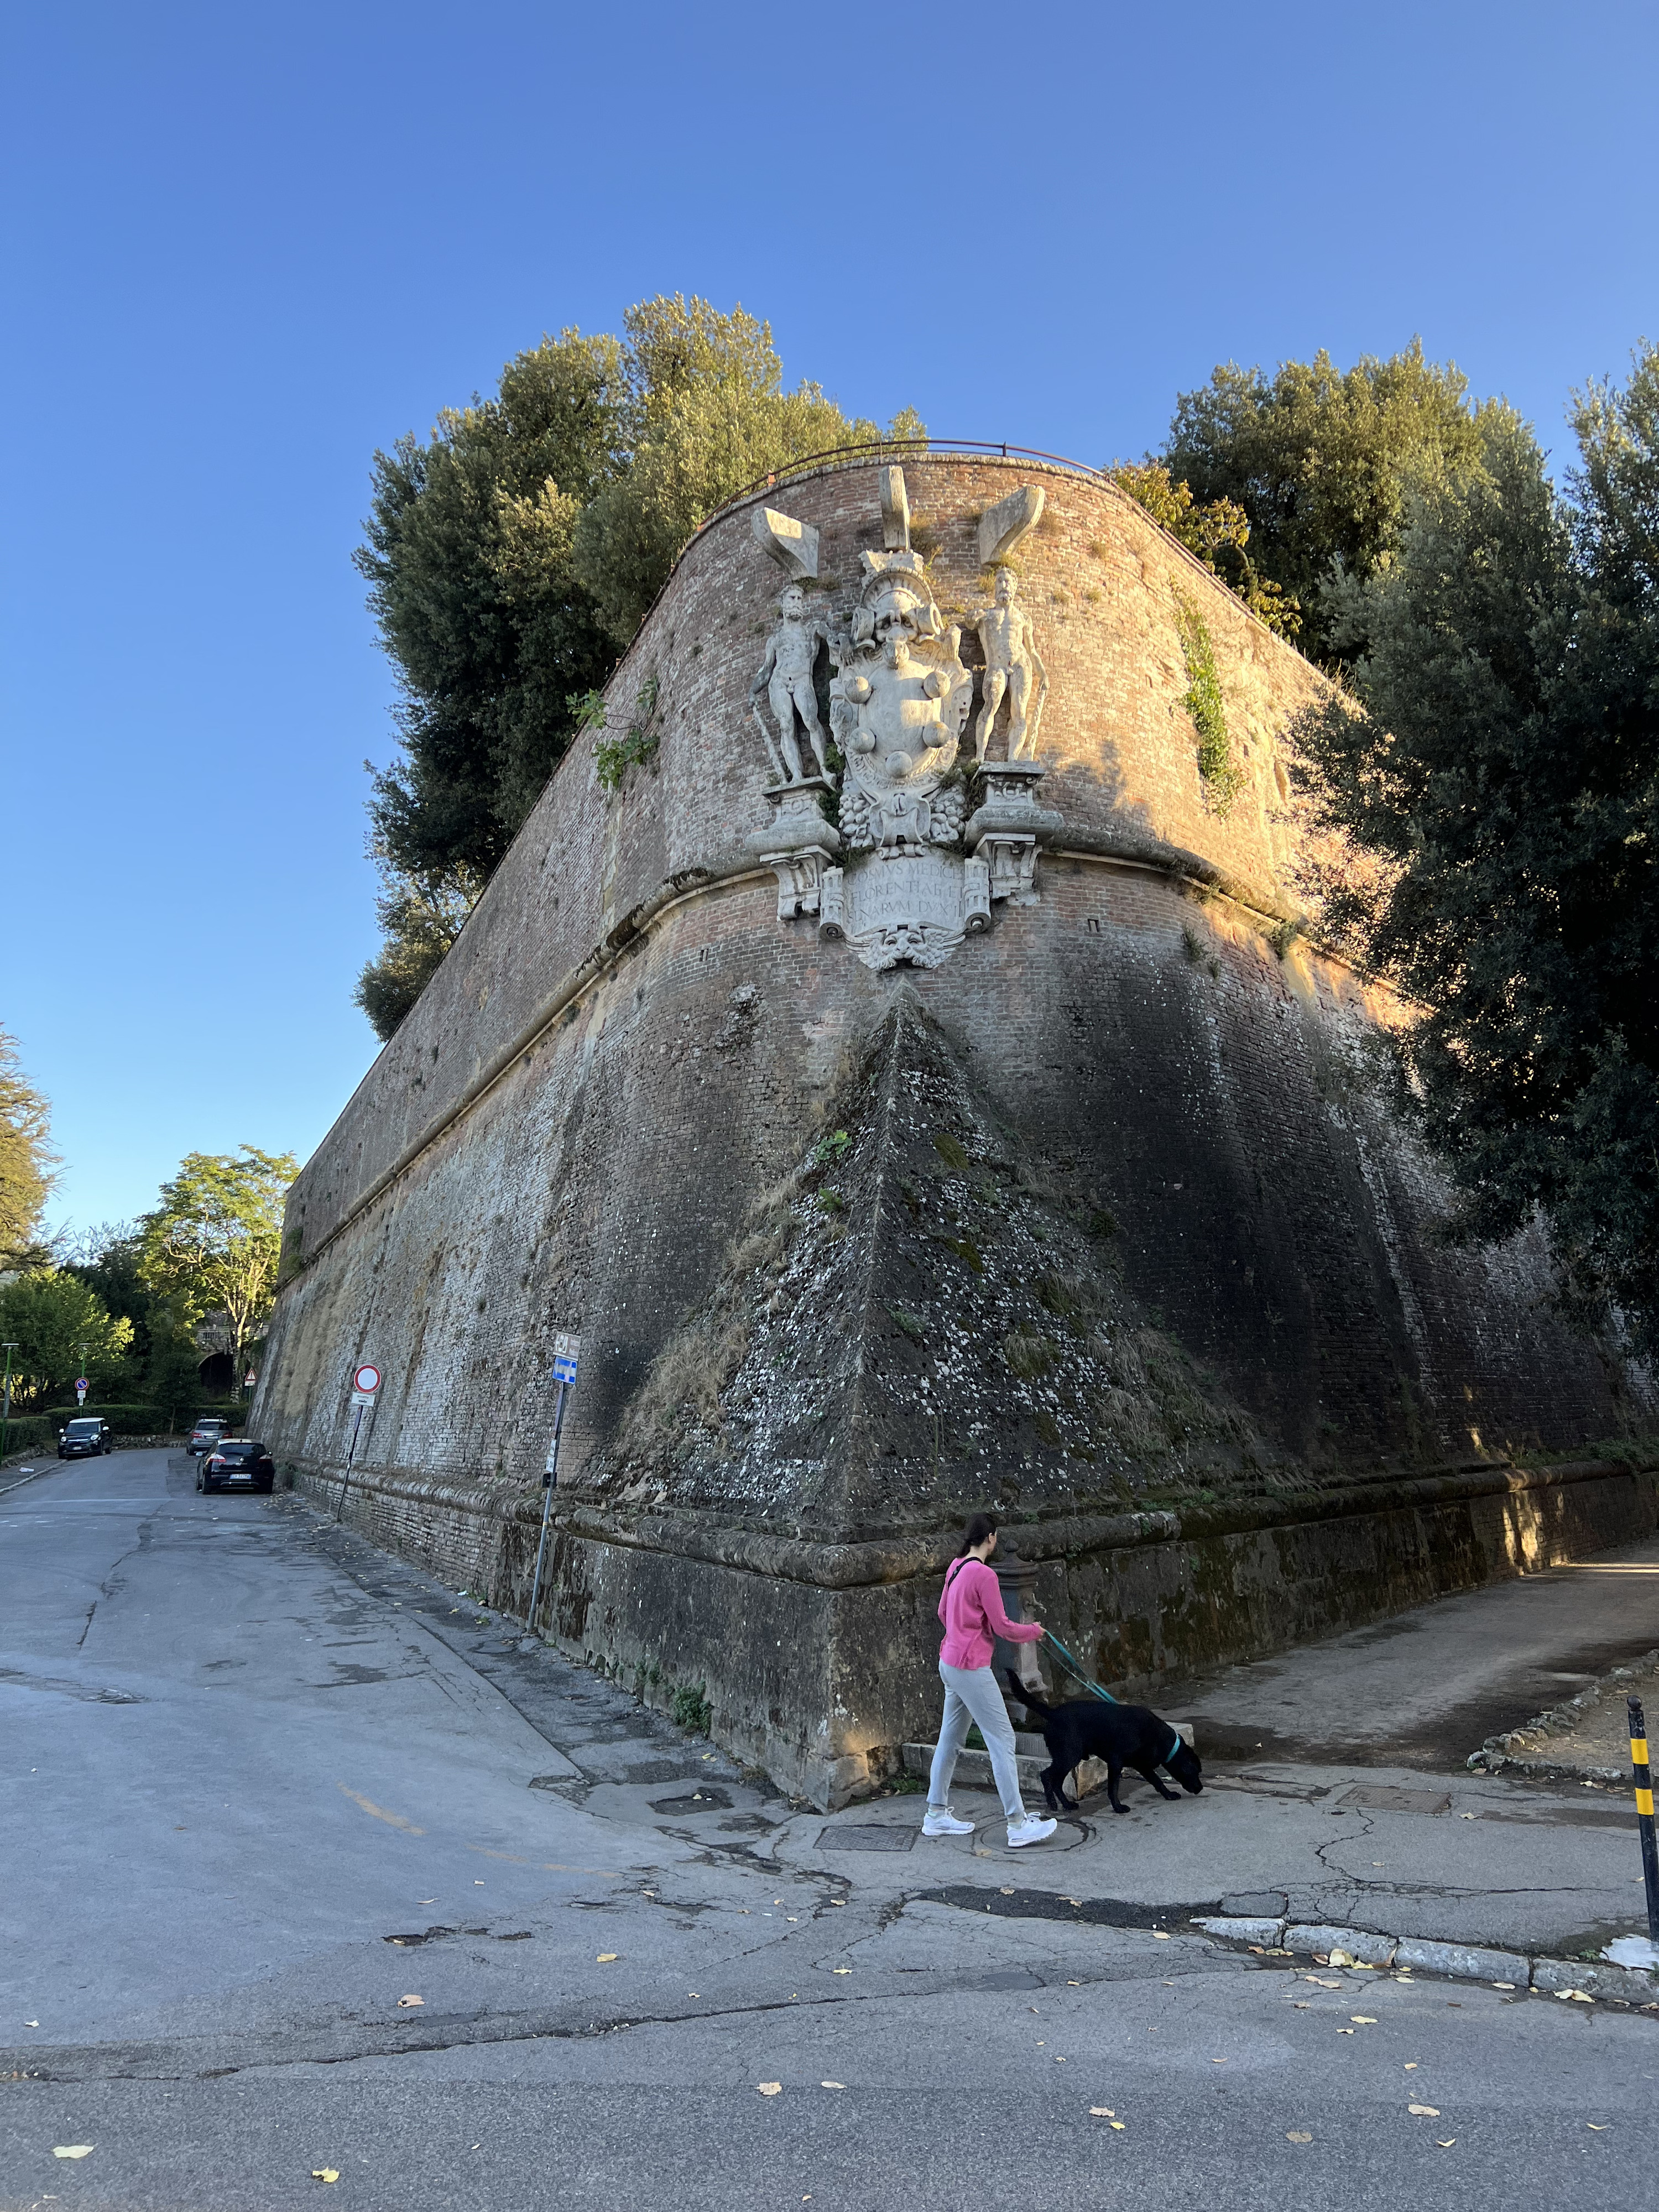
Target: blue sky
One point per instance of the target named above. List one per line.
(246, 246)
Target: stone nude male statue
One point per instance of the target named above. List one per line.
(786, 678)
(1012, 664)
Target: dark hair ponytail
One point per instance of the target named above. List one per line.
(980, 1526)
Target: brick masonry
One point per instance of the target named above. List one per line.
(626, 1051)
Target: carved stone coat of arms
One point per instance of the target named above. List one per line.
(904, 853)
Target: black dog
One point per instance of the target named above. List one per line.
(1123, 1735)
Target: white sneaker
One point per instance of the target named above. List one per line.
(940, 1820)
(1030, 1830)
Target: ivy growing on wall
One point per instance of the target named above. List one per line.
(1218, 772)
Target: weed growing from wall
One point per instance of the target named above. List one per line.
(691, 1708)
(1219, 773)
(614, 756)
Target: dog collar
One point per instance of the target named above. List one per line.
(1174, 1748)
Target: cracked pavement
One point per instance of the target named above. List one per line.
(265, 1784)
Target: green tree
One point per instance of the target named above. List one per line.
(419, 921)
(56, 1322)
(468, 555)
(210, 1248)
(26, 1161)
(106, 1258)
(1320, 460)
(511, 553)
(705, 413)
(1217, 531)
(1503, 765)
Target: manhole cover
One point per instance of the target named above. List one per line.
(694, 1801)
(1380, 1798)
(866, 1838)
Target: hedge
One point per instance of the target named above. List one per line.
(31, 1432)
(125, 1420)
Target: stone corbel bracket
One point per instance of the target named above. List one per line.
(798, 845)
(1002, 526)
(794, 545)
(1007, 829)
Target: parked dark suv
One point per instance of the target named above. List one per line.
(236, 1464)
(85, 1437)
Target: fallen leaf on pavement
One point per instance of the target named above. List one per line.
(832, 2085)
(1297, 2135)
(1347, 2030)
(1445, 2141)
(1575, 1996)
(31, 2023)
(1598, 2129)
(841, 1970)
(1101, 2112)
(1411, 2066)
(1218, 2062)
(769, 2088)
(1074, 1900)
(1162, 1934)
(1116, 2126)
(73, 2150)
(1362, 2020)
(1427, 2111)
(325, 2172)
(411, 2001)
(605, 1959)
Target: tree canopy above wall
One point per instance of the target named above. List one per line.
(513, 553)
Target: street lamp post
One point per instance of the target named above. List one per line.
(5, 1411)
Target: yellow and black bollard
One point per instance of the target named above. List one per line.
(1638, 1760)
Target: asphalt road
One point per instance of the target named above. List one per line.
(261, 1784)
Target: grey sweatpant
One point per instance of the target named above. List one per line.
(972, 1694)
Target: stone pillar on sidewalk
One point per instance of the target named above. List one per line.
(1016, 1577)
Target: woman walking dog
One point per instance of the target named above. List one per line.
(971, 1609)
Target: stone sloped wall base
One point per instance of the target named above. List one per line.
(771, 1630)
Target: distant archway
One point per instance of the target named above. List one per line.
(218, 1374)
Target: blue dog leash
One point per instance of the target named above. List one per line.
(1078, 1674)
(1074, 1670)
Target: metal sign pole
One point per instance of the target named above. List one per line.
(357, 1423)
(566, 1350)
(549, 1480)
(365, 1389)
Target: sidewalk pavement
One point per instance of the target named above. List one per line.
(1337, 1789)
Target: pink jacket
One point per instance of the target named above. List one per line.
(971, 1609)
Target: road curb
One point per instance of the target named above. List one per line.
(1567, 1978)
(39, 1471)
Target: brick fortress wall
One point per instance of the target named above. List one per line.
(626, 1050)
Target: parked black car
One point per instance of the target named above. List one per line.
(85, 1437)
(206, 1435)
(237, 1464)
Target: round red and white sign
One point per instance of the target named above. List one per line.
(366, 1379)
